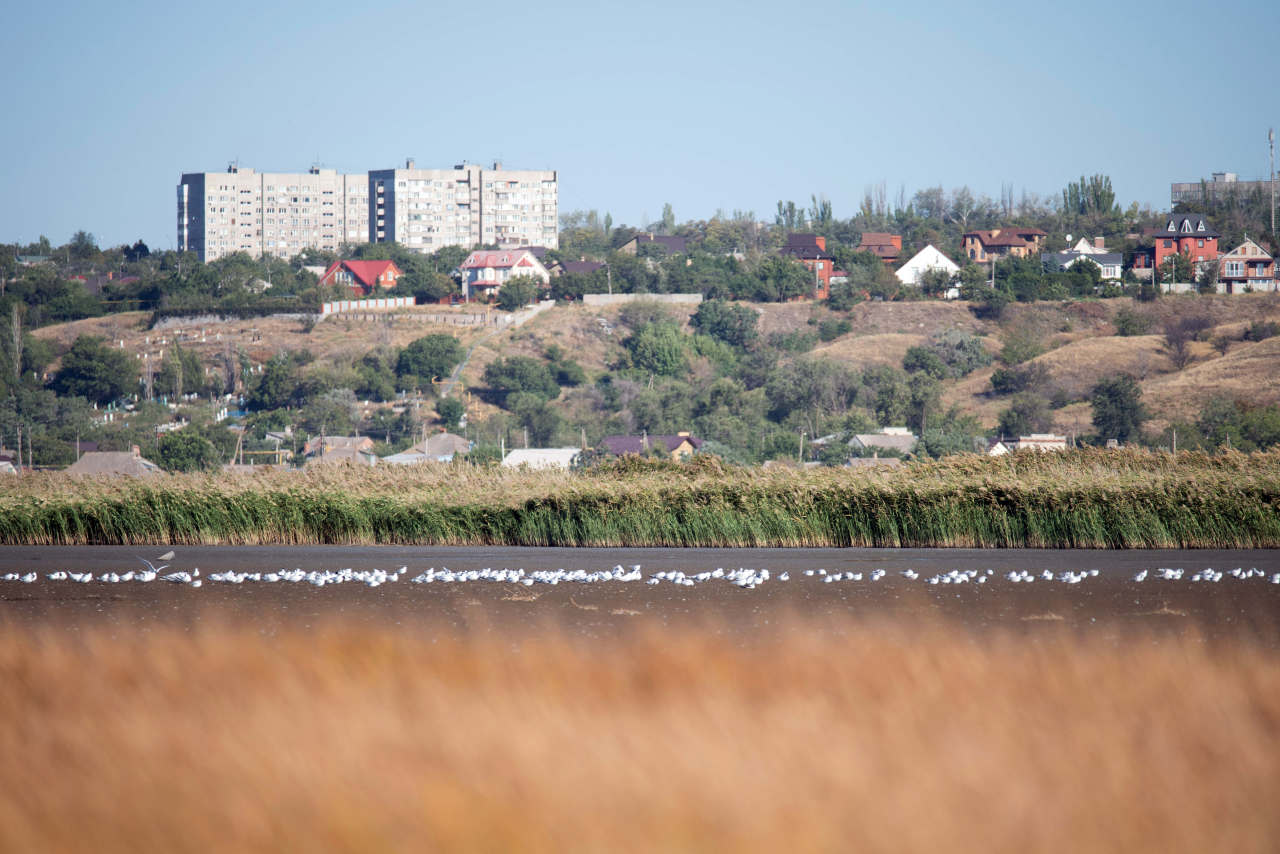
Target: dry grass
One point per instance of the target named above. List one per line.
(819, 736)
(888, 348)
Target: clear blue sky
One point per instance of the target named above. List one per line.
(704, 105)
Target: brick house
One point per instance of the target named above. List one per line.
(1188, 234)
(885, 246)
(811, 251)
(362, 277)
(987, 245)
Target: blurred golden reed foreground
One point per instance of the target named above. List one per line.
(821, 735)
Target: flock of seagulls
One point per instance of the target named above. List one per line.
(743, 577)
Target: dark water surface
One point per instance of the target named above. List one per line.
(1111, 602)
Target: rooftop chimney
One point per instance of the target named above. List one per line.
(1099, 243)
(408, 163)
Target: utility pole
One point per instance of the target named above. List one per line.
(1271, 142)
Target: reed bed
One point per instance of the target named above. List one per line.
(818, 736)
(1081, 499)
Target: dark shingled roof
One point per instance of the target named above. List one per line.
(672, 244)
(581, 266)
(807, 247)
(1060, 260)
(1197, 221)
(620, 445)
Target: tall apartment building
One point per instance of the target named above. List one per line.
(426, 209)
(270, 213)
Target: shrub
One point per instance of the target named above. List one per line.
(1130, 322)
(1014, 380)
(733, 324)
(430, 356)
(832, 328)
(1260, 330)
(516, 374)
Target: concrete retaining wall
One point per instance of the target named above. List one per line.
(619, 299)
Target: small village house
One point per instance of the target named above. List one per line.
(928, 258)
(670, 244)
(129, 463)
(680, 446)
(485, 271)
(1247, 268)
(362, 278)
(1111, 264)
(988, 245)
(542, 458)
(811, 251)
(885, 246)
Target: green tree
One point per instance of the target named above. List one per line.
(1118, 412)
(660, 349)
(275, 386)
(517, 292)
(431, 356)
(1176, 268)
(733, 324)
(1027, 413)
(186, 450)
(450, 410)
(516, 374)
(95, 371)
(332, 413)
(926, 360)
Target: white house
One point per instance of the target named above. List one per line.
(541, 458)
(928, 258)
(1110, 263)
(486, 270)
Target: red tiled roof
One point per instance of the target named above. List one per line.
(878, 238)
(366, 273)
(498, 258)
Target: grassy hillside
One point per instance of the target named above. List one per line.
(1079, 341)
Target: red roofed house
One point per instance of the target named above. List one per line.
(362, 277)
(485, 270)
(982, 246)
(811, 251)
(883, 245)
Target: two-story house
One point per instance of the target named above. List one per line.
(885, 246)
(362, 277)
(811, 251)
(987, 245)
(486, 270)
(1248, 267)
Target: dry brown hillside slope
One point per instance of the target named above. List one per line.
(1080, 341)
